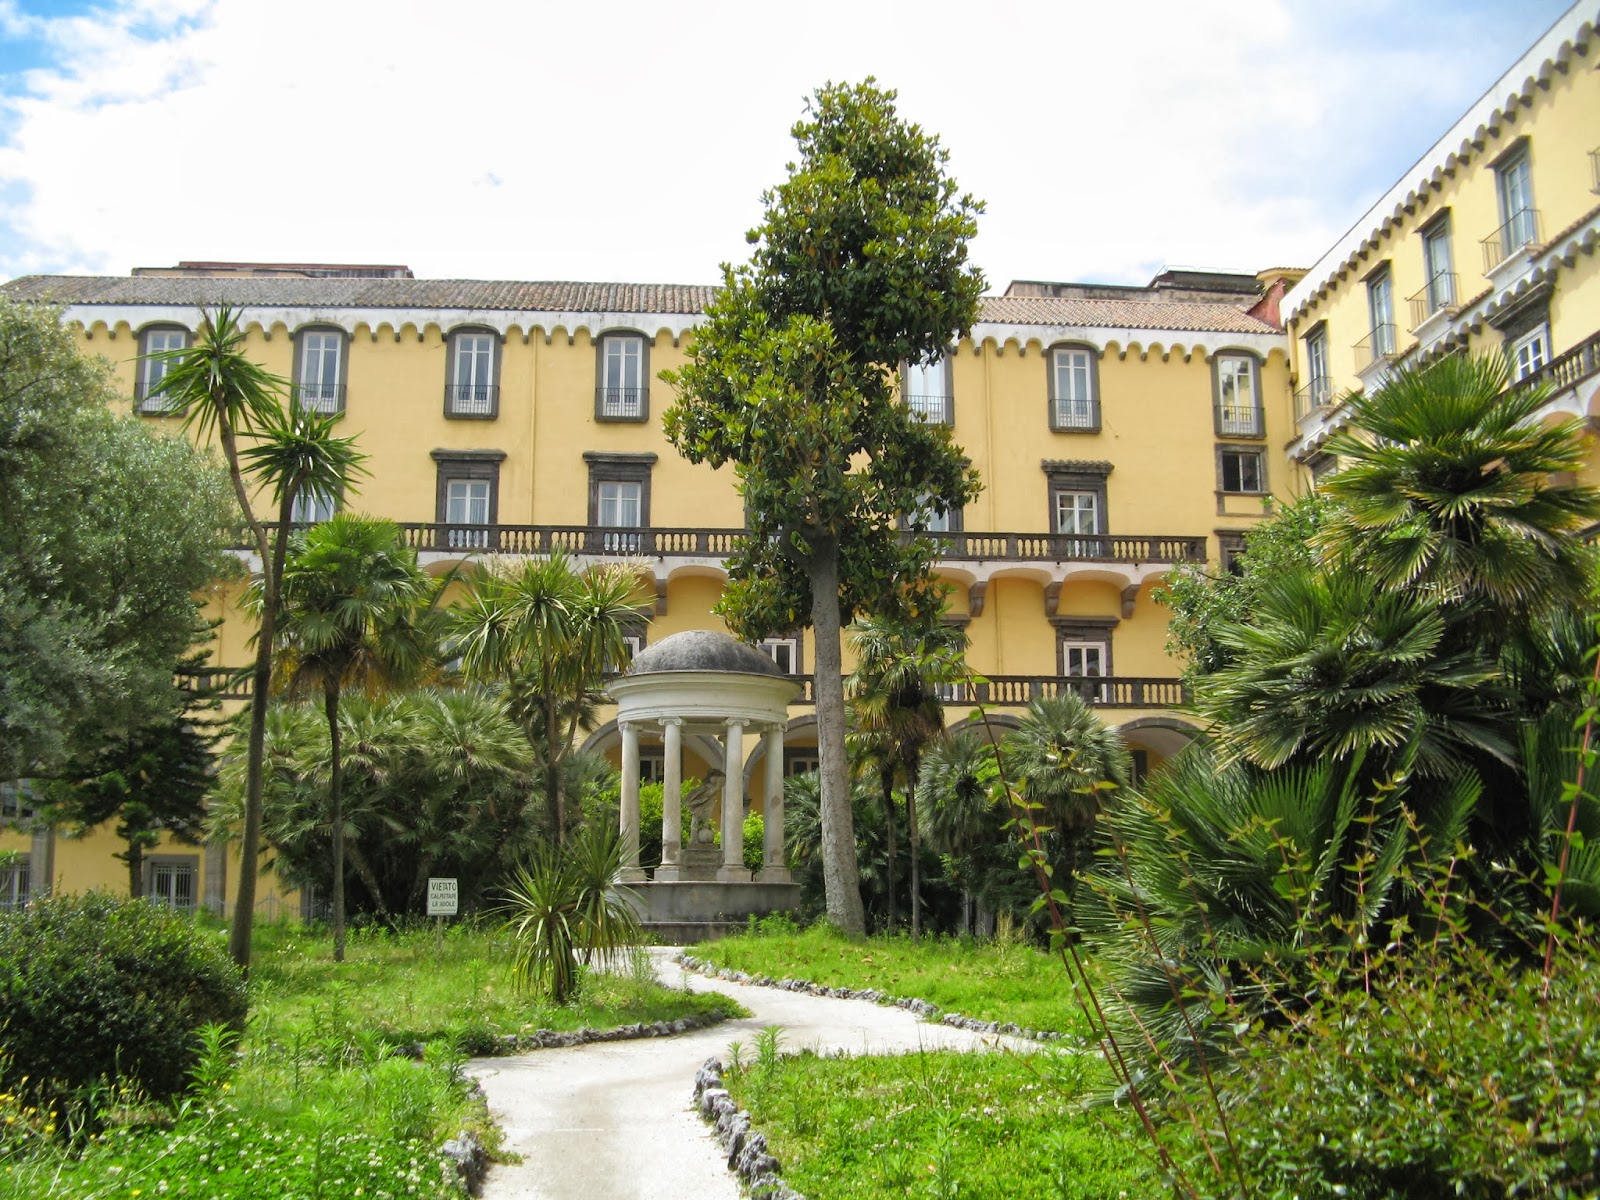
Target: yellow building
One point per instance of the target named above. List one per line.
(1487, 244)
(1118, 430)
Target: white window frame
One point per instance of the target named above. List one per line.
(321, 355)
(622, 367)
(1241, 454)
(1069, 516)
(1380, 310)
(1438, 266)
(311, 508)
(16, 881)
(472, 387)
(153, 370)
(1529, 353)
(927, 390)
(1238, 396)
(1317, 367)
(174, 882)
(460, 498)
(1099, 652)
(1074, 404)
(784, 653)
(1514, 190)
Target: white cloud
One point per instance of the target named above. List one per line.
(632, 141)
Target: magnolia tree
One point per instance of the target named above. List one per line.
(860, 266)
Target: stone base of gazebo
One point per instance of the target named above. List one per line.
(677, 913)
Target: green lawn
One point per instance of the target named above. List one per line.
(1003, 980)
(945, 1124)
(314, 1102)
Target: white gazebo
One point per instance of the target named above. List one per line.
(706, 685)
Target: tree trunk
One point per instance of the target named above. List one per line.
(840, 873)
(244, 904)
(555, 800)
(886, 779)
(916, 854)
(135, 858)
(330, 704)
(369, 879)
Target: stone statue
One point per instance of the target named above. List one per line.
(702, 832)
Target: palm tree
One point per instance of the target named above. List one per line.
(957, 785)
(355, 607)
(549, 633)
(1450, 478)
(225, 395)
(1331, 665)
(897, 711)
(1062, 758)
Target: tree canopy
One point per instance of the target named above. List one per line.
(860, 265)
(108, 531)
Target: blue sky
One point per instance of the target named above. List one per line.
(531, 140)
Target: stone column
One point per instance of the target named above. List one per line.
(672, 792)
(733, 869)
(631, 872)
(773, 869)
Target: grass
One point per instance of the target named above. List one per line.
(407, 990)
(945, 1124)
(1002, 980)
(313, 1102)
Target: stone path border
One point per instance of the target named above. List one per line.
(923, 1009)
(554, 1039)
(748, 1157)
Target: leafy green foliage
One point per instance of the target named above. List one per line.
(95, 989)
(1455, 1072)
(108, 532)
(436, 782)
(860, 264)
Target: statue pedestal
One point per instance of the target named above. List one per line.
(696, 864)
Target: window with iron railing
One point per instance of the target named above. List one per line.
(1238, 396)
(926, 388)
(319, 373)
(1074, 385)
(472, 389)
(154, 343)
(624, 366)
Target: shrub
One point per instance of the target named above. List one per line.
(95, 988)
(1453, 1076)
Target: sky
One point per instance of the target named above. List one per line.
(631, 142)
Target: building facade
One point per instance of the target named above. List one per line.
(1119, 431)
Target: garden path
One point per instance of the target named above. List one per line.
(613, 1121)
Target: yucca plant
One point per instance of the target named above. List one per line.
(567, 913)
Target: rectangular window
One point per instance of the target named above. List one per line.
(1515, 187)
(784, 652)
(311, 507)
(1230, 551)
(652, 766)
(472, 385)
(467, 503)
(1077, 512)
(1238, 400)
(152, 371)
(624, 366)
(14, 805)
(620, 508)
(15, 880)
(928, 519)
(320, 353)
(800, 762)
(1530, 352)
(1380, 308)
(1085, 660)
(171, 881)
(1319, 386)
(1438, 267)
(1241, 471)
(927, 391)
(1072, 389)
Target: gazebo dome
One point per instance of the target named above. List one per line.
(701, 650)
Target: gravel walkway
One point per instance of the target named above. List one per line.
(612, 1120)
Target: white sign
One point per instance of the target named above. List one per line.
(442, 897)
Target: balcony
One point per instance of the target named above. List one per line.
(994, 691)
(1313, 399)
(1520, 232)
(930, 408)
(1376, 348)
(1438, 297)
(471, 399)
(1239, 420)
(148, 399)
(325, 398)
(621, 404)
(1568, 369)
(538, 540)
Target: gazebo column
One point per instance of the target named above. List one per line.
(631, 871)
(773, 868)
(733, 869)
(671, 793)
